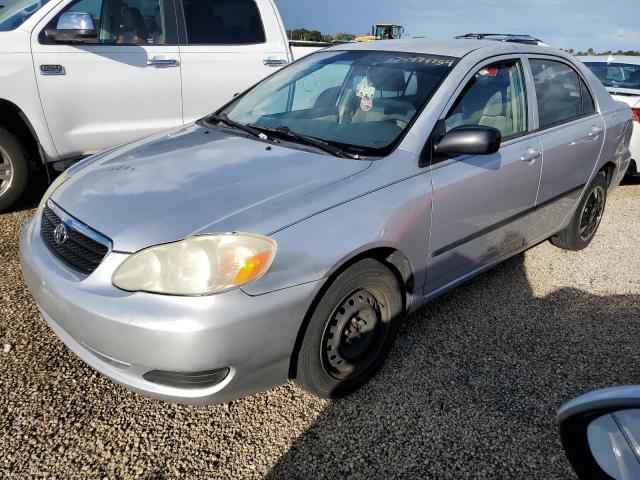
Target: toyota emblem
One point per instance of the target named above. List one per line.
(60, 234)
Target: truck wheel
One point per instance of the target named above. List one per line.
(13, 168)
(586, 219)
(350, 331)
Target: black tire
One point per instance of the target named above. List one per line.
(14, 170)
(351, 330)
(586, 219)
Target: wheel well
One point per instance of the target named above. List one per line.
(13, 119)
(390, 257)
(609, 169)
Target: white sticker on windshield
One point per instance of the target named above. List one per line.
(364, 89)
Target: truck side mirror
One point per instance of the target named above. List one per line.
(73, 27)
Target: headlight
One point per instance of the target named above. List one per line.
(60, 179)
(199, 265)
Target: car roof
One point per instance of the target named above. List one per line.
(611, 59)
(447, 47)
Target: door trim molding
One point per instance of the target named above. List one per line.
(504, 222)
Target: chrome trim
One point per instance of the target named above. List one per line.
(274, 62)
(163, 62)
(80, 227)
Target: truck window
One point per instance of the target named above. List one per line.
(223, 22)
(14, 15)
(126, 22)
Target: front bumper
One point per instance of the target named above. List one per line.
(124, 335)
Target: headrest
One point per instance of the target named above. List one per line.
(494, 107)
(386, 78)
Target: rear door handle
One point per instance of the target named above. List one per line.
(163, 62)
(274, 62)
(595, 132)
(531, 154)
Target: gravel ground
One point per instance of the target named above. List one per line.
(470, 389)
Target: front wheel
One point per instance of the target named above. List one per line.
(350, 331)
(13, 168)
(586, 219)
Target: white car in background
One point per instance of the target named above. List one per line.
(621, 77)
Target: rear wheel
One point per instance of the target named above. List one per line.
(13, 168)
(586, 219)
(351, 330)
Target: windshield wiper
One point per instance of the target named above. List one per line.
(223, 118)
(313, 142)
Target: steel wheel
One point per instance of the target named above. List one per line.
(354, 335)
(350, 331)
(6, 171)
(592, 213)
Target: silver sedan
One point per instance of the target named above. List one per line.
(286, 235)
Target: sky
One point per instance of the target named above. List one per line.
(578, 24)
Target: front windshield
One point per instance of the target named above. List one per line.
(14, 15)
(621, 75)
(359, 100)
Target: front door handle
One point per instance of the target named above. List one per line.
(274, 62)
(595, 132)
(163, 62)
(531, 155)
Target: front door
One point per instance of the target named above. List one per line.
(119, 87)
(482, 204)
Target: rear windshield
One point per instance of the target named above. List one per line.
(14, 15)
(361, 100)
(621, 75)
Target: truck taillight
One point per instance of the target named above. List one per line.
(636, 114)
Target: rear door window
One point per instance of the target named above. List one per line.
(223, 22)
(562, 94)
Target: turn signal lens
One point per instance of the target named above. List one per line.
(200, 265)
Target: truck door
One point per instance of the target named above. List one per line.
(121, 85)
(226, 46)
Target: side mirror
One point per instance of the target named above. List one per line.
(600, 433)
(73, 27)
(469, 140)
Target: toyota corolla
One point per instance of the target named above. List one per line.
(287, 235)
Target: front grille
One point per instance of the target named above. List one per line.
(78, 251)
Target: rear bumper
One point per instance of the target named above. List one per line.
(124, 335)
(634, 147)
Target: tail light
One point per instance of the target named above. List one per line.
(636, 114)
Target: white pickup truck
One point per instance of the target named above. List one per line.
(80, 76)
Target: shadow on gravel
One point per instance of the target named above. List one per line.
(472, 385)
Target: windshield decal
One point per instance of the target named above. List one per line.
(365, 89)
(427, 60)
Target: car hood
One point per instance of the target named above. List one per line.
(195, 180)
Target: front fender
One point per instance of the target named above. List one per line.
(397, 216)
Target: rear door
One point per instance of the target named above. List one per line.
(482, 204)
(121, 86)
(226, 46)
(572, 134)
